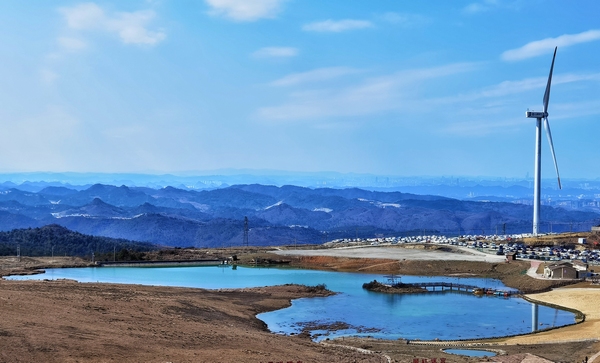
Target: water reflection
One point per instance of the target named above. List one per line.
(535, 312)
(353, 311)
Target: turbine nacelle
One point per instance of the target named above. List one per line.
(536, 114)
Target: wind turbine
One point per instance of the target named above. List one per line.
(538, 150)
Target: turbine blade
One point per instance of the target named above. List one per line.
(547, 93)
(549, 134)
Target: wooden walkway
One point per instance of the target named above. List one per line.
(443, 286)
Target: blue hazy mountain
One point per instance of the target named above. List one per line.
(287, 214)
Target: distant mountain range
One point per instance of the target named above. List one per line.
(277, 215)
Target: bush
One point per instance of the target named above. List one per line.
(317, 288)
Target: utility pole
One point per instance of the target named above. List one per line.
(245, 242)
(19, 252)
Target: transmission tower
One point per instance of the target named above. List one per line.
(245, 232)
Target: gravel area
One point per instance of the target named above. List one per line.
(398, 253)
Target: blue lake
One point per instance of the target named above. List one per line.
(353, 311)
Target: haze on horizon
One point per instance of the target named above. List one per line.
(383, 88)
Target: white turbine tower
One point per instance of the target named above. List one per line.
(538, 150)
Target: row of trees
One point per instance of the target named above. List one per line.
(55, 240)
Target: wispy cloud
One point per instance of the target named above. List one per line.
(48, 76)
(71, 44)
(546, 46)
(391, 92)
(131, 27)
(337, 26)
(483, 127)
(481, 6)
(315, 75)
(245, 10)
(575, 109)
(508, 88)
(405, 19)
(495, 102)
(276, 52)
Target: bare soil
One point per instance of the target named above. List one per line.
(65, 321)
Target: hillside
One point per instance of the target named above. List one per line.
(55, 240)
(277, 215)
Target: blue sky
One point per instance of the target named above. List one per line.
(386, 87)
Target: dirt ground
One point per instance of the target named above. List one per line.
(65, 321)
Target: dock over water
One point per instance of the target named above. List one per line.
(443, 286)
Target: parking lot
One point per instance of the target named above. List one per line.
(459, 250)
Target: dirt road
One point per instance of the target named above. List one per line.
(398, 253)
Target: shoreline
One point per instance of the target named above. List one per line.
(566, 342)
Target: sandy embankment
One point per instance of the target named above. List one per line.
(582, 299)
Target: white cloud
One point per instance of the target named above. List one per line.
(546, 46)
(490, 5)
(405, 19)
(245, 10)
(336, 26)
(131, 27)
(83, 16)
(574, 109)
(71, 44)
(507, 88)
(47, 76)
(316, 75)
(391, 92)
(480, 7)
(483, 127)
(276, 52)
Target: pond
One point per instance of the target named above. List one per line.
(471, 352)
(353, 311)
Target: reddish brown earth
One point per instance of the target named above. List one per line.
(63, 321)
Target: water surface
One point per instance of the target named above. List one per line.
(471, 352)
(353, 311)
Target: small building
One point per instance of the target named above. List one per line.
(562, 270)
(579, 265)
(511, 256)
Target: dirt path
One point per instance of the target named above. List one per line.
(532, 271)
(593, 358)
